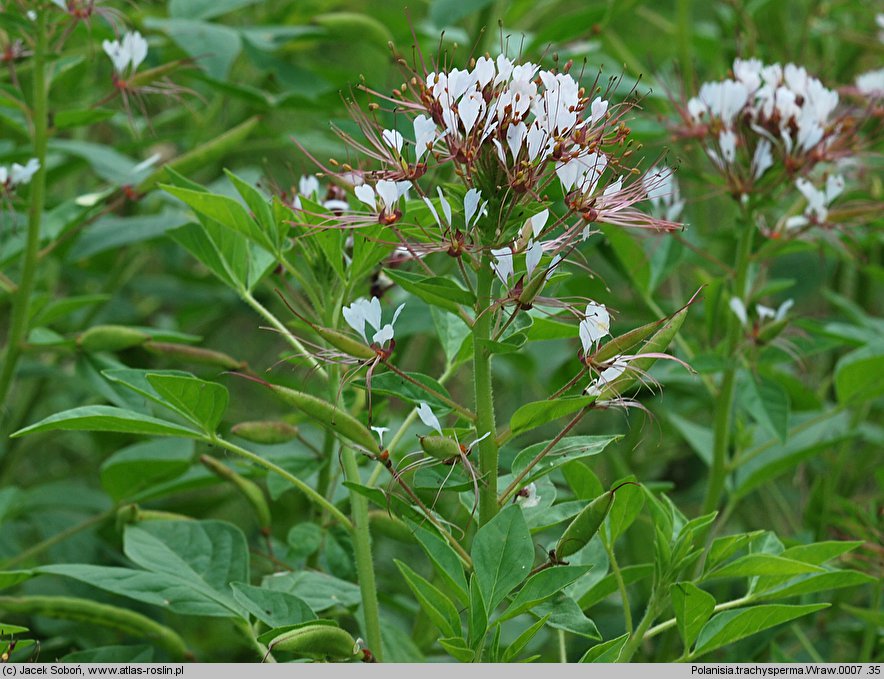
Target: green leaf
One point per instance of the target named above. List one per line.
(821, 552)
(781, 588)
(768, 403)
(436, 605)
(451, 331)
(565, 614)
(201, 402)
(318, 590)
(224, 210)
(858, 374)
(444, 559)
(274, 609)
(449, 12)
(205, 9)
(391, 384)
(141, 465)
(607, 651)
(205, 555)
(566, 450)
(213, 47)
(532, 415)
(11, 578)
(503, 554)
(522, 640)
(629, 500)
(730, 626)
(458, 648)
(107, 418)
(724, 547)
(159, 589)
(542, 586)
(79, 117)
(435, 290)
(692, 607)
(761, 564)
(141, 653)
(260, 206)
(700, 439)
(477, 615)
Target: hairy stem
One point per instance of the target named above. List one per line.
(18, 327)
(485, 395)
(725, 401)
(362, 552)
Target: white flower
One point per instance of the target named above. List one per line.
(777, 314)
(663, 192)
(871, 83)
(533, 255)
(597, 109)
(762, 159)
(425, 135)
(428, 418)
(471, 206)
(595, 325)
(503, 263)
(528, 497)
(608, 375)
(18, 175)
(393, 139)
(727, 142)
(538, 221)
(363, 311)
(739, 309)
(387, 191)
(127, 54)
(818, 201)
(308, 185)
(380, 431)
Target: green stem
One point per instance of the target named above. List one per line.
(725, 401)
(18, 327)
(42, 546)
(621, 585)
(563, 647)
(484, 394)
(637, 637)
(362, 552)
(311, 494)
(667, 624)
(249, 299)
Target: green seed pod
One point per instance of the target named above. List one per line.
(440, 447)
(317, 641)
(626, 341)
(191, 354)
(532, 289)
(389, 526)
(345, 343)
(329, 416)
(658, 343)
(771, 330)
(249, 489)
(267, 432)
(584, 526)
(111, 338)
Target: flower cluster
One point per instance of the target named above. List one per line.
(764, 115)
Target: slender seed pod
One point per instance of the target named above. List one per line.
(585, 525)
(318, 641)
(111, 338)
(626, 341)
(390, 526)
(94, 613)
(345, 343)
(440, 447)
(268, 432)
(191, 354)
(658, 342)
(329, 416)
(249, 489)
(532, 288)
(771, 330)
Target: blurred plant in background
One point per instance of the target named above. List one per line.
(422, 264)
